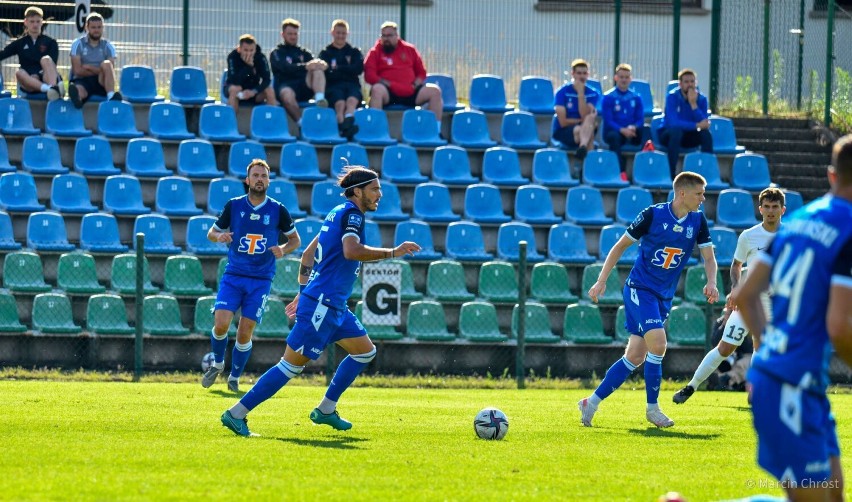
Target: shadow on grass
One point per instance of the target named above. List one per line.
(338, 442)
(668, 433)
(227, 393)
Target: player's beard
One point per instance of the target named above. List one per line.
(257, 193)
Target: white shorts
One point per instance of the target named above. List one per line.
(736, 330)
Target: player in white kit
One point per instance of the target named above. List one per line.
(750, 242)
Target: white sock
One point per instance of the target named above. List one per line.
(708, 365)
(232, 378)
(110, 94)
(652, 407)
(299, 122)
(239, 411)
(594, 400)
(319, 96)
(439, 127)
(219, 365)
(327, 406)
(44, 87)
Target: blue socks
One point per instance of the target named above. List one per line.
(270, 383)
(350, 367)
(239, 357)
(218, 346)
(653, 376)
(615, 376)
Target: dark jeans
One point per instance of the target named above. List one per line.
(616, 141)
(674, 138)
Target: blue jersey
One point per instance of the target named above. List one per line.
(622, 109)
(255, 229)
(333, 276)
(665, 246)
(811, 252)
(679, 113)
(566, 97)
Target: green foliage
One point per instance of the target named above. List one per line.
(745, 98)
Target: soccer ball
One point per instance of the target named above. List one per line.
(491, 423)
(207, 361)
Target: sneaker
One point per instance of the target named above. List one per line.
(116, 96)
(53, 93)
(333, 419)
(624, 176)
(581, 153)
(210, 376)
(658, 418)
(237, 426)
(348, 129)
(74, 94)
(322, 103)
(683, 394)
(587, 411)
(233, 385)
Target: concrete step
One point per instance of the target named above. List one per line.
(775, 133)
(800, 183)
(805, 159)
(768, 145)
(764, 123)
(802, 170)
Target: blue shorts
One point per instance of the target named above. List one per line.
(644, 311)
(317, 325)
(243, 292)
(796, 431)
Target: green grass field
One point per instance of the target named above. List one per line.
(71, 440)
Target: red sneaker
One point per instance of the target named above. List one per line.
(623, 176)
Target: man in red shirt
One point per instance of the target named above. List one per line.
(395, 71)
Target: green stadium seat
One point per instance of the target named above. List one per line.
(537, 327)
(445, 282)
(376, 332)
(549, 284)
(162, 316)
(614, 286)
(23, 273)
(203, 323)
(286, 281)
(583, 324)
(409, 294)
(76, 274)
(478, 323)
(183, 276)
(427, 322)
(498, 282)
(52, 314)
(220, 270)
(621, 334)
(357, 290)
(9, 320)
(687, 325)
(696, 278)
(107, 315)
(275, 323)
(123, 275)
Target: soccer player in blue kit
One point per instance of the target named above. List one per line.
(253, 223)
(667, 234)
(808, 266)
(329, 268)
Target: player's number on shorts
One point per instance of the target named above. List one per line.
(789, 277)
(740, 332)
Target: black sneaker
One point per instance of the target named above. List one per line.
(683, 394)
(116, 96)
(581, 153)
(74, 94)
(53, 93)
(348, 129)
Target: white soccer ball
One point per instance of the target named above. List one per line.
(207, 361)
(491, 423)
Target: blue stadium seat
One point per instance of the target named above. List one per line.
(483, 204)
(706, 165)
(41, 156)
(347, 154)
(93, 157)
(534, 205)
(123, 195)
(536, 95)
(221, 190)
(299, 162)
(240, 156)
(188, 86)
(5, 165)
(724, 137)
(145, 158)
(470, 130)
(651, 170)
(643, 89)
(325, 196)
(725, 242)
(600, 169)
(735, 209)
(117, 120)
(196, 237)
(139, 84)
(218, 122)
(390, 207)
(18, 193)
(793, 201)
(285, 192)
(197, 159)
(269, 125)
(373, 129)
(22, 117)
(46, 232)
(63, 119)
(509, 236)
(566, 243)
(175, 197)
(520, 131)
(551, 168)
(750, 171)
(99, 234)
(401, 165)
(448, 90)
(656, 124)
(69, 193)
(610, 234)
(596, 85)
(451, 166)
(464, 242)
(372, 234)
(7, 234)
(420, 128)
(308, 228)
(584, 206)
(488, 94)
(432, 203)
(168, 121)
(630, 202)
(158, 234)
(419, 232)
(319, 127)
(502, 167)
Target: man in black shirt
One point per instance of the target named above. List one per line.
(248, 75)
(37, 54)
(343, 86)
(297, 74)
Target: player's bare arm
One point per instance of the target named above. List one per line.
(711, 290)
(747, 299)
(293, 243)
(839, 321)
(214, 235)
(354, 250)
(612, 258)
(736, 273)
